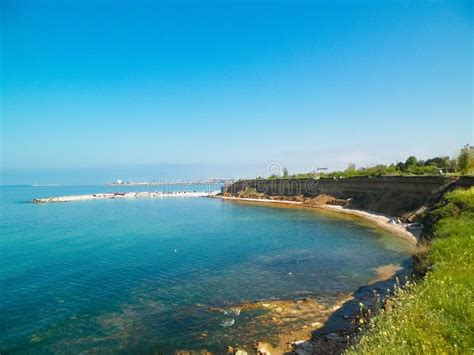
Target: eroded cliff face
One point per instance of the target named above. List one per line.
(393, 195)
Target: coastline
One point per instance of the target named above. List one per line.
(309, 337)
(298, 319)
(379, 220)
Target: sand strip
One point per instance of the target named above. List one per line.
(380, 220)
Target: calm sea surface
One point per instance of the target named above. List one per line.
(139, 276)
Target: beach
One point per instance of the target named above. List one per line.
(380, 220)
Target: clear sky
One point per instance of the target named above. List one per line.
(125, 89)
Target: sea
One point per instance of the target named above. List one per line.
(145, 276)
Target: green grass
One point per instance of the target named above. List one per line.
(434, 315)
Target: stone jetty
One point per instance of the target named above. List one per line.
(123, 195)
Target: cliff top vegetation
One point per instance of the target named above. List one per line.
(462, 164)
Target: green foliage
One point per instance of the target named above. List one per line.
(442, 163)
(454, 203)
(412, 166)
(377, 170)
(435, 315)
(411, 161)
(304, 176)
(466, 159)
(422, 170)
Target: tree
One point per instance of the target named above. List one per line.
(400, 166)
(465, 159)
(285, 172)
(411, 161)
(444, 163)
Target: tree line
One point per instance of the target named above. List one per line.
(462, 164)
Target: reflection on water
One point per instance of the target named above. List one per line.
(160, 275)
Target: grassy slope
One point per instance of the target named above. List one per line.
(437, 314)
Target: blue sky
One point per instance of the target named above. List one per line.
(93, 90)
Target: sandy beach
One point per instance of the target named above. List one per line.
(380, 220)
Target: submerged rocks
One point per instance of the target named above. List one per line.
(334, 337)
(263, 348)
(302, 347)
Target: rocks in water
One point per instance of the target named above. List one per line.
(233, 311)
(302, 347)
(203, 335)
(228, 323)
(334, 337)
(263, 348)
(291, 319)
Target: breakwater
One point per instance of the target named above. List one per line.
(402, 196)
(122, 195)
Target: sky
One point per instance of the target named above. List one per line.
(101, 90)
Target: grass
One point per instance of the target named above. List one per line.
(436, 314)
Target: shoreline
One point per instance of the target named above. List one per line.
(304, 339)
(379, 220)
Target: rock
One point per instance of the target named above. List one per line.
(320, 200)
(334, 337)
(300, 198)
(241, 352)
(263, 348)
(302, 347)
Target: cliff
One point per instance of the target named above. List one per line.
(402, 196)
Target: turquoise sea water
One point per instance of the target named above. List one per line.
(139, 276)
